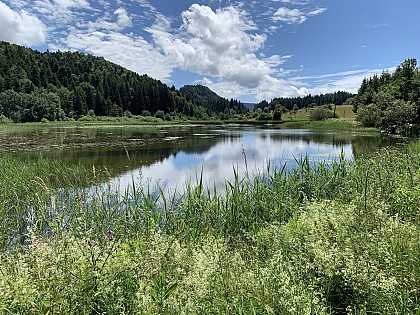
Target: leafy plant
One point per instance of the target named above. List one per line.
(161, 291)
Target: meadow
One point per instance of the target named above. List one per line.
(334, 238)
(344, 112)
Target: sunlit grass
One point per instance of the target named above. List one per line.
(344, 112)
(346, 120)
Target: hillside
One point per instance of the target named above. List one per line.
(62, 85)
(205, 97)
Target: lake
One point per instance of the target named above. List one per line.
(173, 155)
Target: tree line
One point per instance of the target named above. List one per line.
(66, 85)
(390, 101)
(308, 101)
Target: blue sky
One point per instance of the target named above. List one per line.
(250, 50)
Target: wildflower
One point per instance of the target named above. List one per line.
(66, 226)
(37, 241)
(91, 243)
(111, 235)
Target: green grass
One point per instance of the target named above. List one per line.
(344, 112)
(346, 120)
(337, 238)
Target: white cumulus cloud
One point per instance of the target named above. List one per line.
(219, 43)
(227, 89)
(272, 87)
(123, 20)
(59, 10)
(116, 22)
(290, 16)
(21, 27)
(295, 16)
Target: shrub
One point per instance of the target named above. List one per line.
(127, 113)
(265, 116)
(398, 114)
(369, 115)
(278, 111)
(320, 113)
(160, 114)
(146, 113)
(87, 118)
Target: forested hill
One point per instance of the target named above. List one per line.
(61, 85)
(205, 97)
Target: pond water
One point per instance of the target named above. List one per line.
(174, 155)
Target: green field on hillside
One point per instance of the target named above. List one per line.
(344, 112)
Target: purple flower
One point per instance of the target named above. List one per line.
(111, 235)
(66, 226)
(91, 243)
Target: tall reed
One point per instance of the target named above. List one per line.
(29, 191)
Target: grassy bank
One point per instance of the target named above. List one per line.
(297, 119)
(340, 238)
(330, 124)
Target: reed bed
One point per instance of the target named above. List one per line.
(331, 238)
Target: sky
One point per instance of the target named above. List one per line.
(247, 50)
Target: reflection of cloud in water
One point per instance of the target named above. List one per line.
(218, 162)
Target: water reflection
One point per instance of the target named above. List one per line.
(217, 163)
(174, 155)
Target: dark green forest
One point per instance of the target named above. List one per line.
(295, 103)
(69, 85)
(390, 101)
(208, 99)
